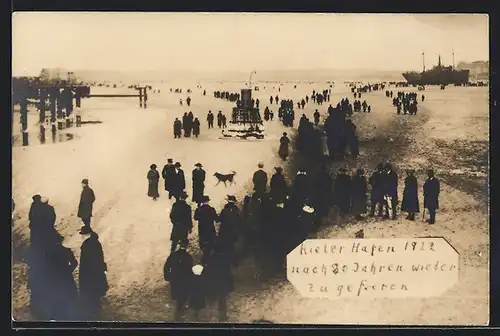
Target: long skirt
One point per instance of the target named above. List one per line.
(153, 189)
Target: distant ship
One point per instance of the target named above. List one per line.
(438, 75)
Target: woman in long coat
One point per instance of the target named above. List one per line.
(410, 196)
(196, 127)
(92, 276)
(284, 143)
(153, 181)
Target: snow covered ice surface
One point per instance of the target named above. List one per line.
(134, 230)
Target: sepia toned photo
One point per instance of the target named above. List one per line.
(262, 168)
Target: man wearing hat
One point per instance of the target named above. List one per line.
(179, 181)
(198, 183)
(168, 174)
(182, 223)
(431, 195)
(178, 271)
(410, 195)
(206, 217)
(279, 188)
(230, 221)
(283, 151)
(342, 191)
(42, 217)
(260, 180)
(87, 199)
(300, 187)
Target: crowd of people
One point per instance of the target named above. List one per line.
(405, 102)
(189, 124)
(232, 97)
(54, 294)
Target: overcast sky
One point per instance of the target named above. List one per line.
(243, 41)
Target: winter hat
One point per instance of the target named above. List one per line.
(198, 165)
(85, 181)
(231, 198)
(197, 269)
(36, 198)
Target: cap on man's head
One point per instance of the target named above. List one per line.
(205, 198)
(170, 160)
(198, 165)
(178, 164)
(85, 181)
(231, 198)
(260, 165)
(36, 198)
(278, 169)
(183, 195)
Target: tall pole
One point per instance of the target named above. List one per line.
(423, 60)
(250, 80)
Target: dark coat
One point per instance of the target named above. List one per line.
(87, 199)
(153, 180)
(410, 195)
(206, 217)
(283, 151)
(230, 221)
(182, 221)
(279, 187)
(198, 178)
(179, 181)
(91, 276)
(42, 218)
(259, 181)
(177, 271)
(301, 187)
(359, 189)
(391, 185)
(168, 173)
(196, 127)
(376, 181)
(431, 193)
(219, 275)
(198, 291)
(342, 192)
(177, 127)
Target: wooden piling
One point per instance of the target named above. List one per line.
(145, 97)
(53, 100)
(60, 105)
(140, 97)
(24, 119)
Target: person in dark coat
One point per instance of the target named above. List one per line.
(177, 128)
(431, 195)
(92, 280)
(182, 222)
(359, 189)
(153, 181)
(391, 191)
(323, 191)
(219, 119)
(283, 151)
(376, 181)
(260, 180)
(278, 186)
(230, 221)
(196, 127)
(168, 174)
(316, 117)
(206, 217)
(410, 195)
(210, 119)
(220, 279)
(197, 290)
(63, 293)
(179, 181)
(198, 183)
(87, 199)
(342, 191)
(300, 189)
(42, 217)
(178, 271)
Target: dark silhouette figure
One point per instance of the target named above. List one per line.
(260, 180)
(210, 119)
(168, 173)
(376, 182)
(284, 147)
(177, 128)
(431, 195)
(278, 186)
(178, 271)
(197, 290)
(359, 189)
(230, 221)
(42, 217)
(198, 178)
(206, 217)
(323, 191)
(179, 181)
(182, 223)
(87, 199)
(219, 276)
(196, 127)
(153, 181)
(92, 277)
(410, 196)
(342, 191)
(391, 191)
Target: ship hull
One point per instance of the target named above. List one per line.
(438, 78)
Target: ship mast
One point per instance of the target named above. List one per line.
(452, 59)
(439, 61)
(423, 60)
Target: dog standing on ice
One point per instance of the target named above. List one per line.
(225, 178)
